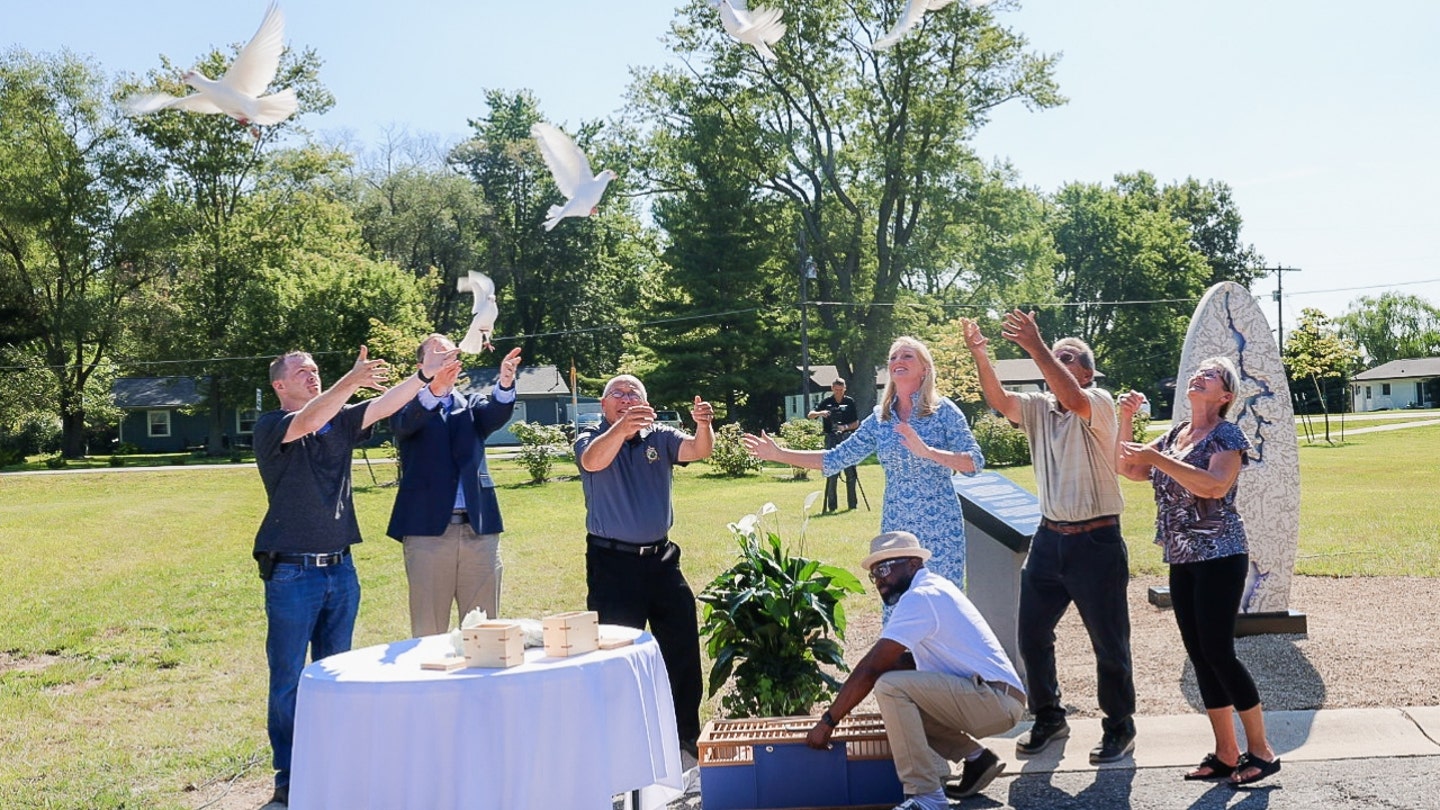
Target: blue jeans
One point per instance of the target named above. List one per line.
(310, 607)
(1092, 570)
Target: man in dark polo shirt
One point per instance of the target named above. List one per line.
(839, 416)
(632, 570)
(303, 453)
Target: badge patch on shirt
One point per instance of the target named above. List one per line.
(651, 454)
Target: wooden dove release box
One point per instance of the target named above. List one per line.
(763, 762)
(571, 633)
(493, 644)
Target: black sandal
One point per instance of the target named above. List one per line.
(1218, 769)
(1263, 768)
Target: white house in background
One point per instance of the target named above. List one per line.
(1410, 383)
(1015, 375)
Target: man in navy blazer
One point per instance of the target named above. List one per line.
(446, 513)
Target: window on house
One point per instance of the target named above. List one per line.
(159, 424)
(1384, 389)
(245, 420)
(1367, 392)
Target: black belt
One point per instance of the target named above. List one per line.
(459, 516)
(638, 549)
(316, 560)
(1079, 526)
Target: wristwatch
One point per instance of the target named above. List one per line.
(828, 719)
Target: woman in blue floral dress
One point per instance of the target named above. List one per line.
(921, 439)
(1193, 468)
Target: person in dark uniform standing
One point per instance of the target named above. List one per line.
(840, 417)
(632, 570)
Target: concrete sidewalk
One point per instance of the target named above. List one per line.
(1181, 741)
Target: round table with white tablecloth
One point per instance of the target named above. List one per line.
(374, 730)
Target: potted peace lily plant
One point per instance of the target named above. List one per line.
(772, 620)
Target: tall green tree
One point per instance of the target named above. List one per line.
(1315, 352)
(1214, 222)
(729, 250)
(420, 213)
(869, 151)
(1391, 326)
(214, 166)
(566, 291)
(77, 221)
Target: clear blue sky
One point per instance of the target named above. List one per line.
(1322, 116)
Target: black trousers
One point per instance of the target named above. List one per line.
(1092, 570)
(1206, 597)
(832, 482)
(630, 590)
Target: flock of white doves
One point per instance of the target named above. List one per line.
(237, 94)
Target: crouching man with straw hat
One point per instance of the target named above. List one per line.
(941, 678)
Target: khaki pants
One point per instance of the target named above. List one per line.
(932, 719)
(458, 568)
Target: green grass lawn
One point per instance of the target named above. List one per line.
(132, 657)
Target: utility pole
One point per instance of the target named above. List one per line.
(807, 272)
(1279, 296)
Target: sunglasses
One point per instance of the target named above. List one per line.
(1066, 358)
(883, 569)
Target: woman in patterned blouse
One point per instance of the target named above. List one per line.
(921, 439)
(1193, 468)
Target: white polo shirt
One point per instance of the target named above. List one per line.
(945, 633)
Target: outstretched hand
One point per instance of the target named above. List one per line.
(509, 366)
(1131, 403)
(702, 412)
(441, 366)
(975, 340)
(367, 373)
(1022, 330)
(762, 447)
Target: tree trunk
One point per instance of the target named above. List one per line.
(72, 427)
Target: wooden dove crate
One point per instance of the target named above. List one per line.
(762, 763)
(493, 644)
(571, 633)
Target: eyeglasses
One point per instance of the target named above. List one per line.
(1214, 374)
(883, 569)
(622, 395)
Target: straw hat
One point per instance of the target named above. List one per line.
(892, 546)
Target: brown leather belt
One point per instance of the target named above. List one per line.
(459, 516)
(1001, 686)
(1079, 526)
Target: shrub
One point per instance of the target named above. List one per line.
(802, 434)
(55, 462)
(769, 620)
(127, 449)
(539, 444)
(1003, 444)
(1140, 428)
(729, 456)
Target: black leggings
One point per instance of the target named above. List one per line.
(1206, 597)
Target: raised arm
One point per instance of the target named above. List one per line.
(1005, 402)
(764, 448)
(395, 398)
(1021, 329)
(700, 445)
(366, 373)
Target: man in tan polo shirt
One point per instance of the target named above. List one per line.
(1077, 555)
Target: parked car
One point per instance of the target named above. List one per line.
(583, 421)
(671, 418)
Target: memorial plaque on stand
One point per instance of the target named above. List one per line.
(1000, 518)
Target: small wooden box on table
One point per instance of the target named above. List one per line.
(572, 633)
(763, 763)
(493, 644)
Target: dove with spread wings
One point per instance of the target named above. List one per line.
(910, 17)
(484, 312)
(571, 171)
(761, 27)
(237, 93)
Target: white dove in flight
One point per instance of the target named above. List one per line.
(485, 312)
(761, 27)
(572, 175)
(237, 93)
(914, 10)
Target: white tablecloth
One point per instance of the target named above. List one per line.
(374, 730)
